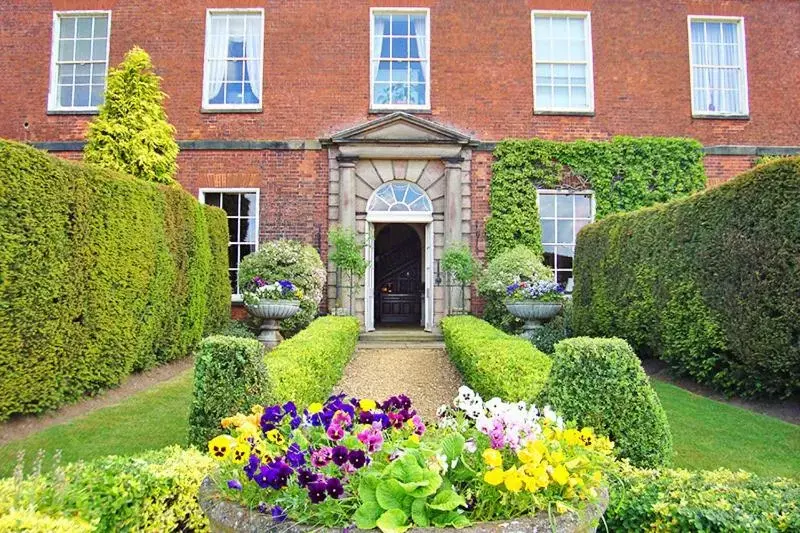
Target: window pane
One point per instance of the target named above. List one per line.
(399, 71)
(84, 27)
(81, 96)
(246, 249)
(565, 232)
(66, 50)
(549, 256)
(579, 224)
(400, 25)
(400, 47)
(564, 205)
(99, 49)
(382, 93)
(548, 231)
(65, 96)
(577, 97)
(97, 93)
(544, 97)
(233, 256)
(563, 278)
(583, 206)
(561, 97)
(248, 204)
(565, 254)
(65, 74)
(416, 94)
(101, 27)
(230, 203)
(247, 230)
(212, 198)
(384, 69)
(547, 205)
(417, 71)
(399, 94)
(83, 50)
(67, 27)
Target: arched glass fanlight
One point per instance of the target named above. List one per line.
(399, 197)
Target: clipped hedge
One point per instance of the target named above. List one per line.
(600, 383)
(229, 377)
(709, 283)
(27, 521)
(100, 275)
(706, 500)
(305, 368)
(625, 173)
(493, 363)
(153, 491)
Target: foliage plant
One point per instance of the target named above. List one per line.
(306, 367)
(229, 376)
(346, 252)
(625, 174)
(289, 260)
(701, 500)
(458, 261)
(100, 275)
(351, 460)
(494, 363)
(601, 383)
(708, 283)
(258, 289)
(153, 491)
(552, 332)
(131, 133)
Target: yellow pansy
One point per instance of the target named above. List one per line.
(367, 405)
(577, 462)
(572, 437)
(274, 436)
(414, 438)
(220, 446)
(597, 476)
(530, 455)
(315, 408)
(556, 457)
(492, 458)
(494, 476)
(560, 475)
(241, 452)
(512, 480)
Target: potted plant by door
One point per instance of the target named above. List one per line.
(534, 302)
(271, 302)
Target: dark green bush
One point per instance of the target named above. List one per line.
(99, 276)
(493, 363)
(237, 328)
(305, 368)
(709, 283)
(709, 501)
(600, 383)
(554, 331)
(218, 308)
(229, 377)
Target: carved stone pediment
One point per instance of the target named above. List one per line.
(399, 128)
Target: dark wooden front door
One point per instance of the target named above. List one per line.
(398, 275)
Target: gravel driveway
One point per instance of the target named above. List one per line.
(425, 375)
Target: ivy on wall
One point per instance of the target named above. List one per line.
(625, 173)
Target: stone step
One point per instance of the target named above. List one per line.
(400, 345)
(400, 336)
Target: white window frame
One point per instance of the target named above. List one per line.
(373, 12)
(587, 16)
(52, 95)
(745, 96)
(566, 192)
(201, 196)
(205, 105)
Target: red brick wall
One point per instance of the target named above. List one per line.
(317, 75)
(721, 168)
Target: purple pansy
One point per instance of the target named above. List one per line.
(317, 491)
(357, 458)
(334, 488)
(339, 455)
(278, 514)
(234, 484)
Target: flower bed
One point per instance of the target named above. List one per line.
(357, 462)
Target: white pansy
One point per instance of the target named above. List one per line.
(441, 411)
(549, 414)
(495, 406)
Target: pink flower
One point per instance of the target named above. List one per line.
(321, 457)
(372, 437)
(419, 425)
(335, 432)
(340, 418)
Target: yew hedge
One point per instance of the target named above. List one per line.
(708, 283)
(100, 275)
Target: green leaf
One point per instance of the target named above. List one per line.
(447, 500)
(367, 515)
(434, 481)
(449, 518)
(409, 487)
(453, 446)
(419, 513)
(390, 494)
(393, 521)
(406, 468)
(367, 487)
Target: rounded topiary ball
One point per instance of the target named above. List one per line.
(600, 383)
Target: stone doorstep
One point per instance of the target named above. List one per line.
(403, 345)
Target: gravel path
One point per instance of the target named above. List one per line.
(425, 375)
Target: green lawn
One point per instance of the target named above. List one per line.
(708, 434)
(154, 418)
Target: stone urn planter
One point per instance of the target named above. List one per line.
(534, 313)
(272, 312)
(225, 516)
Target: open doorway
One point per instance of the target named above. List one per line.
(399, 286)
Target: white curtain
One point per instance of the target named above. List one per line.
(420, 34)
(380, 24)
(252, 51)
(717, 81)
(216, 53)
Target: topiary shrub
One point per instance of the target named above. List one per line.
(297, 262)
(554, 331)
(237, 328)
(712, 501)
(229, 377)
(600, 383)
(493, 363)
(305, 368)
(708, 283)
(502, 271)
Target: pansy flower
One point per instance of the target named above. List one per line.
(234, 484)
(321, 457)
(317, 491)
(335, 432)
(278, 514)
(295, 456)
(334, 488)
(305, 477)
(357, 458)
(220, 446)
(252, 466)
(339, 455)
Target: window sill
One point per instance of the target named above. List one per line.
(701, 116)
(546, 112)
(389, 110)
(92, 111)
(211, 110)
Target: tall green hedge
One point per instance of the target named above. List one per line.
(709, 283)
(100, 275)
(625, 173)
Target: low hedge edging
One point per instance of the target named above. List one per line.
(305, 368)
(677, 500)
(494, 363)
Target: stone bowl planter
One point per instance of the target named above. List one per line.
(271, 312)
(225, 516)
(533, 313)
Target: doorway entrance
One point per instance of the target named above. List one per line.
(399, 287)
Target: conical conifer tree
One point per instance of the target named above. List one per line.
(131, 132)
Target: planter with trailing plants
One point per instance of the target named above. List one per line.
(534, 302)
(271, 302)
(359, 465)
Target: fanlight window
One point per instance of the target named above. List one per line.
(399, 197)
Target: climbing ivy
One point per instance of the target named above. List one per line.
(625, 173)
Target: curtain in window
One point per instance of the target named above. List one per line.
(252, 51)
(717, 74)
(419, 36)
(380, 24)
(216, 51)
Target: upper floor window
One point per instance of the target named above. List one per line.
(241, 206)
(718, 66)
(400, 59)
(79, 60)
(562, 62)
(562, 214)
(234, 59)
